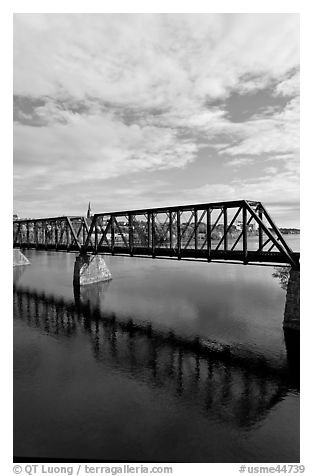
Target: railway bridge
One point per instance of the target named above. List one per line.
(239, 231)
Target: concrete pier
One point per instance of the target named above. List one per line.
(292, 308)
(18, 258)
(90, 269)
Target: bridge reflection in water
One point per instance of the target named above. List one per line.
(234, 384)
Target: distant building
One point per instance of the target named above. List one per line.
(238, 225)
(251, 227)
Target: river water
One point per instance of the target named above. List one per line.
(168, 362)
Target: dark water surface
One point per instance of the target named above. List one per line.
(170, 361)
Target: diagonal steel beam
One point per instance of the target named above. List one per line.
(269, 234)
(70, 224)
(194, 230)
(263, 245)
(77, 234)
(163, 225)
(120, 232)
(104, 232)
(270, 249)
(240, 235)
(178, 229)
(277, 231)
(218, 219)
(228, 228)
(187, 224)
(210, 230)
(92, 225)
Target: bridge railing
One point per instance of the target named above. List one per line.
(235, 230)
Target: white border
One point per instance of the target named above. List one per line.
(57, 6)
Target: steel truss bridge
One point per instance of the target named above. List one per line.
(240, 231)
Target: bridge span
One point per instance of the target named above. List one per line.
(241, 231)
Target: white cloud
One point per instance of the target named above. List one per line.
(269, 188)
(149, 60)
(239, 162)
(88, 146)
(144, 84)
(289, 86)
(276, 134)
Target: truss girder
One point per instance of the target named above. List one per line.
(238, 231)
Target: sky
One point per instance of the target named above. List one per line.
(132, 111)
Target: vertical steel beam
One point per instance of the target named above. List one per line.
(260, 213)
(153, 234)
(84, 231)
(225, 229)
(171, 230)
(27, 234)
(56, 235)
(49, 234)
(130, 234)
(68, 235)
(196, 228)
(44, 233)
(208, 231)
(149, 230)
(244, 234)
(112, 234)
(33, 233)
(178, 234)
(41, 233)
(36, 234)
(96, 235)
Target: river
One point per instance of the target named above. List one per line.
(171, 361)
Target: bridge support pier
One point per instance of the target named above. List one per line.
(292, 308)
(18, 258)
(292, 342)
(90, 269)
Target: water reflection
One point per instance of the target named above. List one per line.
(236, 385)
(93, 294)
(17, 273)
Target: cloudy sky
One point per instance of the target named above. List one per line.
(136, 110)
